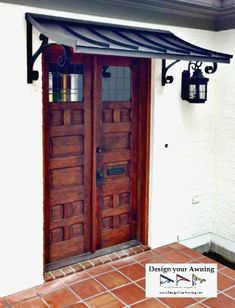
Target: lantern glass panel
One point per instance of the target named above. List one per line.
(202, 91)
(192, 91)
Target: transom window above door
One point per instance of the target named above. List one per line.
(65, 83)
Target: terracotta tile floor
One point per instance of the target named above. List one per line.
(122, 284)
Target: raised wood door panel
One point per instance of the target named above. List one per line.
(117, 142)
(68, 143)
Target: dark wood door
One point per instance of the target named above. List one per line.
(67, 113)
(91, 153)
(116, 157)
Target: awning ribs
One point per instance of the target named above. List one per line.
(99, 38)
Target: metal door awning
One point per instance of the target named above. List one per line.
(107, 39)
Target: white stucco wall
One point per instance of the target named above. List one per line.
(223, 218)
(182, 174)
(21, 230)
(199, 163)
(179, 173)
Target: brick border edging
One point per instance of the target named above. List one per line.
(84, 265)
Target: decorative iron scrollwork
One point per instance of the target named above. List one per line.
(167, 79)
(106, 74)
(211, 69)
(194, 65)
(31, 58)
(208, 69)
(65, 59)
(43, 46)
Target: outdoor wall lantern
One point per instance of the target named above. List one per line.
(193, 84)
(194, 87)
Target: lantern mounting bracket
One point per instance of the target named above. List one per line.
(167, 79)
(211, 69)
(32, 74)
(208, 69)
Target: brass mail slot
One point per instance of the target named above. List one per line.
(116, 171)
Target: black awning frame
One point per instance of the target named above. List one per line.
(99, 38)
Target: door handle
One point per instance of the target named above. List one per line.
(99, 177)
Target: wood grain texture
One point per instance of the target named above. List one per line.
(118, 135)
(80, 214)
(68, 167)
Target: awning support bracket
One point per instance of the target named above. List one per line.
(167, 79)
(33, 75)
(31, 58)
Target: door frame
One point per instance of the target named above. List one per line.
(144, 130)
(144, 120)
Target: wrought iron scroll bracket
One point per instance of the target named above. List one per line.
(197, 64)
(31, 58)
(166, 79)
(194, 65)
(32, 74)
(208, 69)
(211, 69)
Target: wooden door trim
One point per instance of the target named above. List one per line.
(134, 145)
(95, 137)
(144, 149)
(45, 160)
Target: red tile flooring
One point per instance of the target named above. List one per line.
(121, 284)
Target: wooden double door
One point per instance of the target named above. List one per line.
(92, 143)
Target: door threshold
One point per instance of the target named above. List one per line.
(88, 256)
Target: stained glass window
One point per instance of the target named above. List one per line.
(65, 83)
